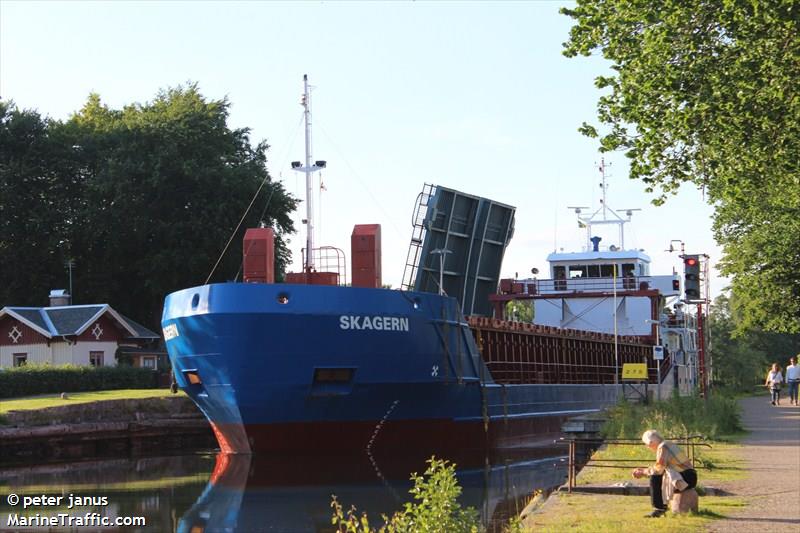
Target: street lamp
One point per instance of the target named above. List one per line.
(657, 324)
(441, 253)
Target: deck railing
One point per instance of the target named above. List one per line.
(552, 286)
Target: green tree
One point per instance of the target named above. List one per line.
(144, 198)
(706, 92)
(741, 358)
(738, 363)
(36, 184)
(520, 310)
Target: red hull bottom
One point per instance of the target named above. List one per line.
(429, 436)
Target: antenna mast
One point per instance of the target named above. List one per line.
(308, 169)
(603, 185)
(591, 220)
(309, 178)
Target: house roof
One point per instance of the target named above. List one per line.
(70, 320)
(141, 331)
(33, 315)
(73, 319)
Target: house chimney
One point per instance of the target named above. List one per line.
(59, 297)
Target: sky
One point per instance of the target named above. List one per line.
(474, 96)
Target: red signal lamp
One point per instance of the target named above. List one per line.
(690, 261)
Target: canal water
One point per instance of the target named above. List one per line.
(210, 492)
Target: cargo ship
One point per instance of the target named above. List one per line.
(318, 364)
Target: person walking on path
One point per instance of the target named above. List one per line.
(771, 456)
(793, 379)
(774, 380)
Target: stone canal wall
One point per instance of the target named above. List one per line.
(104, 428)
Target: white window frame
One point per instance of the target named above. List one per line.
(95, 354)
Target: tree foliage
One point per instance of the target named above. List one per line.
(707, 92)
(520, 310)
(142, 198)
(741, 359)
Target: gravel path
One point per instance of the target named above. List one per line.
(772, 456)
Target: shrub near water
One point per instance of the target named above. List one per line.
(43, 379)
(715, 418)
(435, 508)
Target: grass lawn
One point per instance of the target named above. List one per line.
(606, 513)
(54, 400)
(599, 513)
(720, 462)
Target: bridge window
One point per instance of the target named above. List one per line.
(577, 271)
(606, 271)
(628, 270)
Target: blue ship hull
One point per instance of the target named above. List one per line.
(298, 367)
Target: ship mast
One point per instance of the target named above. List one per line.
(594, 220)
(309, 170)
(603, 186)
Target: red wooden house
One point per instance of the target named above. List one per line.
(74, 334)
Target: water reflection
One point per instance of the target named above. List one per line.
(247, 494)
(160, 489)
(208, 492)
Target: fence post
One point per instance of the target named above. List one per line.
(571, 467)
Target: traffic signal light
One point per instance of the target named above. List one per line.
(691, 277)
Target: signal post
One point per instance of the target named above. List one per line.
(695, 288)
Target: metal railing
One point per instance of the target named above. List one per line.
(330, 259)
(548, 286)
(689, 442)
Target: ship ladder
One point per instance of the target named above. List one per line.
(417, 237)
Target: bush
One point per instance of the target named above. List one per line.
(435, 508)
(43, 379)
(715, 418)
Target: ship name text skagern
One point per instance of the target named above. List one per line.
(379, 323)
